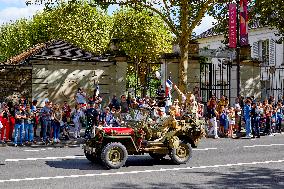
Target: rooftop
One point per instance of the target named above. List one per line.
(56, 50)
(213, 32)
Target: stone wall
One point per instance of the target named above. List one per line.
(59, 80)
(14, 83)
(171, 68)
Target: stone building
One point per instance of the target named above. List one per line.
(57, 69)
(261, 75)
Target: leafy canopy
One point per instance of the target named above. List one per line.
(142, 35)
(78, 23)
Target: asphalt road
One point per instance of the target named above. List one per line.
(221, 163)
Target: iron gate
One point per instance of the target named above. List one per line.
(272, 82)
(215, 79)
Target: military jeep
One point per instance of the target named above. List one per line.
(112, 145)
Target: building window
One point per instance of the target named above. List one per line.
(264, 51)
(265, 88)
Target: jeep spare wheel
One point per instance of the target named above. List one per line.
(114, 155)
(181, 154)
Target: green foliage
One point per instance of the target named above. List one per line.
(81, 24)
(13, 38)
(78, 23)
(142, 35)
(269, 13)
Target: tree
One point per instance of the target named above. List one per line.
(14, 38)
(269, 13)
(82, 25)
(181, 17)
(143, 36)
(77, 23)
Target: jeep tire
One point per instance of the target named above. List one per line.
(90, 157)
(114, 155)
(182, 154)
(94, 158)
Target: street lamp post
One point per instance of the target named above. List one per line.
(238, 49)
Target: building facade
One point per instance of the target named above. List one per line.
(260, 77)
(57, 69)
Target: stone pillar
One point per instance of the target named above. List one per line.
(250, 80)
(120, 84)
(193, 76)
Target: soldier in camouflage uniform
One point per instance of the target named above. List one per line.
(190, 104)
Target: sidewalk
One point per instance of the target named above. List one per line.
(71, 143)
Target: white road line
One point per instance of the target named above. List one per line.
(263, 145)
(31, 150)
(143, 171)
(42, 149)
(204, 149)
(45, 158)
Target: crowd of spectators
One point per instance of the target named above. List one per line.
(252, 115)
(51, 123)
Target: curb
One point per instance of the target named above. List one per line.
(62, 144)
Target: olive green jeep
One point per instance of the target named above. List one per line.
(112, 145)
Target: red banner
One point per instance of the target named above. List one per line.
(244, 22)
(232, 25)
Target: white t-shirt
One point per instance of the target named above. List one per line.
(238, 107)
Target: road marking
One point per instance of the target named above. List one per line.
(46, 158)
(143, 171)
(204, 149)
(263, 145)
(42, 149)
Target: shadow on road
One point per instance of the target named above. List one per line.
(133, 161)
(84, 164)
(249, 177)
(80, 164)
(153, 186)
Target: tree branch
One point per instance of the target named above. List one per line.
(166, 19)
(167, 7)
(201, 14)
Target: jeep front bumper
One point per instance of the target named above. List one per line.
(88, 149)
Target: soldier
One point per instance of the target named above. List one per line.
(92, 119)
(176, 107)
(190, 104)
(160, 114)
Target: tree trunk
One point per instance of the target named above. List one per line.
(142, 74)
(183, 44)
(183, 66)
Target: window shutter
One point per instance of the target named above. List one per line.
(256, 50)
(272, 52)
